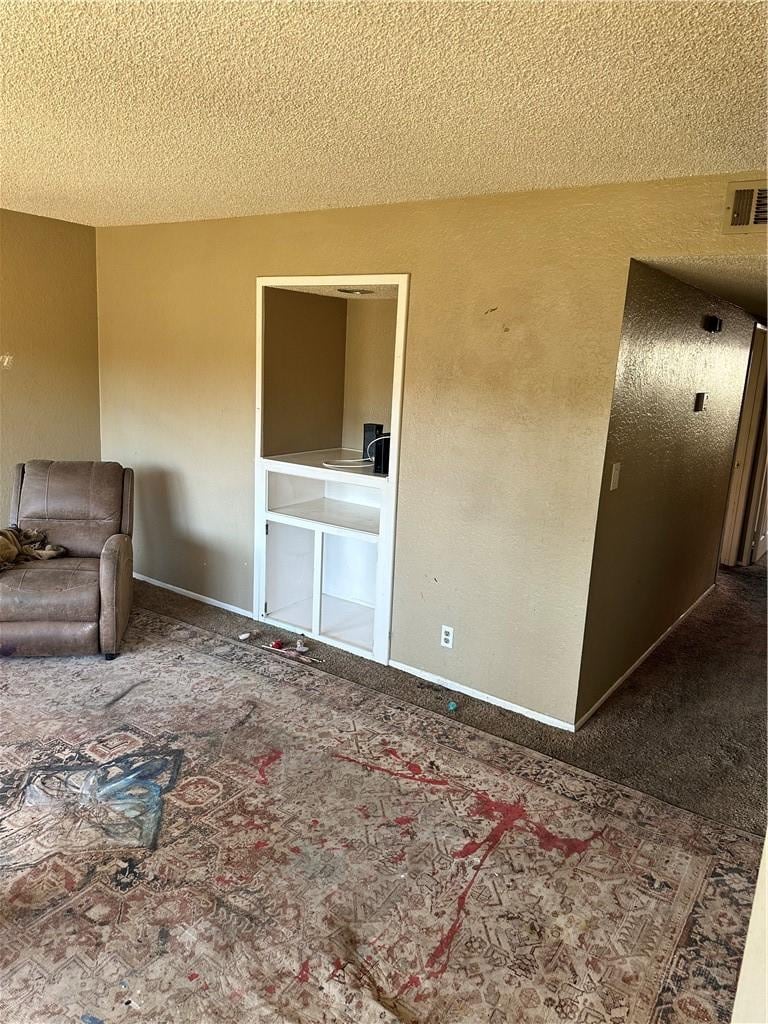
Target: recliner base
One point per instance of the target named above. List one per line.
(45, 639)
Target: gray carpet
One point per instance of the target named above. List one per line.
(689, 726)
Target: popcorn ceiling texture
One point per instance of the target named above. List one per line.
(119, 113)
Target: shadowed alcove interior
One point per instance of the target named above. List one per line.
(328, 364)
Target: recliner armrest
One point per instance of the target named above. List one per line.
(116, 586)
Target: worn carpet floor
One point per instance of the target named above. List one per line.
(202, 832)
(688, 727)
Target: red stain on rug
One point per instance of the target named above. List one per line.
(338, 968)
(411, 770)
(413, 982)
(506, 815)
(263, 762)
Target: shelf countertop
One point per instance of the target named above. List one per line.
(315, 460)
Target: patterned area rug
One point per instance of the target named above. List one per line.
(201, 832)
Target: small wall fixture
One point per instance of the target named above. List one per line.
(700, 402)
(713, 324)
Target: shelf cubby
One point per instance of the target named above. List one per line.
(347, 622)
(290, 575)
(348, 590)
(325, 502)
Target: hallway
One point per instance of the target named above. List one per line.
(690, 725)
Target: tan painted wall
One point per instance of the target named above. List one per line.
(515, 312)
(369, 366)
(658, 534)
(49, 395)
(304, 345)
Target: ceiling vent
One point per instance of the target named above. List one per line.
(746, 206)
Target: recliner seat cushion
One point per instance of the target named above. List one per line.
(59, 590)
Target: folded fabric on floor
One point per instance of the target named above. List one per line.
(18, 545)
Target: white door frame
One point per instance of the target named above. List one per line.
(388, 518)
(745, 451)
(753, 545)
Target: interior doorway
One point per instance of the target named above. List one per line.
(684, 358)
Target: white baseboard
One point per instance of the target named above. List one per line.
(487, 697)
(432, 677)
(195, 597)
(641, 659)
(429, 676)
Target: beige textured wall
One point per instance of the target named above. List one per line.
(49, 394)
(658, 534)
(514, 320)
(304, 345)
(369, 366)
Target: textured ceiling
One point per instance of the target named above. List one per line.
(118, 112)
(739, 279)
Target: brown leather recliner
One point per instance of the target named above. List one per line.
(78, 603)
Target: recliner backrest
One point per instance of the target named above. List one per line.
(77, 504)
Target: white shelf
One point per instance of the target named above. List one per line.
(300, 462)
(298, 615)
(344, 515)
(346, 621)
(344, 624)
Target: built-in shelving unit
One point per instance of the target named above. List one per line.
(325, 533)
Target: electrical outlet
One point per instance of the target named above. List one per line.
(615, 474)
(446, 636)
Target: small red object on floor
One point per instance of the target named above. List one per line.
(277, 644)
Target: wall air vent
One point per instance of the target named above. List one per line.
(746, 206)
